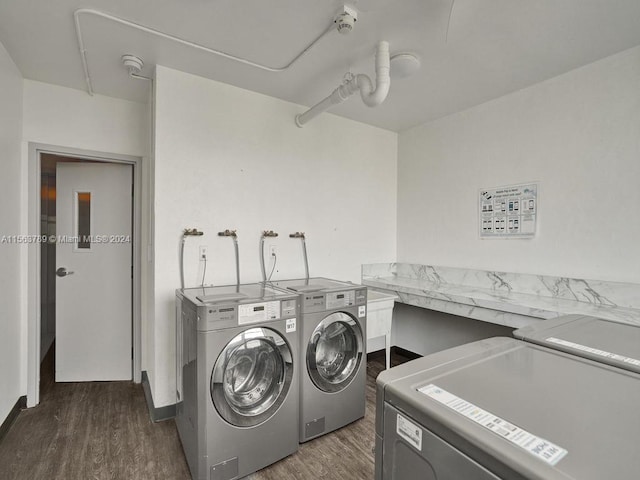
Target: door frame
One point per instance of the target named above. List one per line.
(34, 260)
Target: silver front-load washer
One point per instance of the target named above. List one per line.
(237, 405)
(505, 409)
(606, 341)
(332, 353)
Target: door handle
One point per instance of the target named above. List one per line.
(62, 272)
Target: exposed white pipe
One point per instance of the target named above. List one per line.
(83, 51)
(152, 31)
(370, 96)
(338, 96)
(374, 97)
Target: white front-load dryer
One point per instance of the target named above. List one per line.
(332, 353)
(238, 405)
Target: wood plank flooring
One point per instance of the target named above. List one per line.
(102, 430)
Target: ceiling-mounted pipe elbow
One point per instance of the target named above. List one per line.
(362, 83)
(373, 98)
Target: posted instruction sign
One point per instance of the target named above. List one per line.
(509, 211)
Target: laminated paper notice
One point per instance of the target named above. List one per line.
(508, 211)
(539, 447)
(595, 351)
(290, 325)
(411, 432)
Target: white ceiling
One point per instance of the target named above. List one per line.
(490, 48)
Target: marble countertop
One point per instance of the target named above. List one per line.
(377, 296)
(499, 300)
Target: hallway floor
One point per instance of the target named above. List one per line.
(102, 430)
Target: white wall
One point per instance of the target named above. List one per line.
(10, 141)
(424, 331)
(71, 118)
(230, 158)
(578, 135)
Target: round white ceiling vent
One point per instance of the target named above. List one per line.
(404, 65)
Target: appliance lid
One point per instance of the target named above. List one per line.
(587, 412)
(253, 292)
(315, 284)
(604, 341)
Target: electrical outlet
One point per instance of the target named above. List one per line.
(203, 252)
(272, 250)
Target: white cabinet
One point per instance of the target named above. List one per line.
(379, 315)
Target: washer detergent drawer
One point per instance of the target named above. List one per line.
(411, 452)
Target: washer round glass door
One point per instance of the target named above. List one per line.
(251, 377)
(334, 352)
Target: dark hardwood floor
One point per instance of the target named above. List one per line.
(102, 430)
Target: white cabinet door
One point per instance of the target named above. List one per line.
(93, 298)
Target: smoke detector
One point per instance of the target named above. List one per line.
(133, 64)
(346, 19)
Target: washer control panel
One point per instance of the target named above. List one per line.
(246, 314)
(340, 299)
(258, 312)
(217, 311)
(321, 301)
(221, 314)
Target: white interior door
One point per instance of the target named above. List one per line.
(94, 269)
